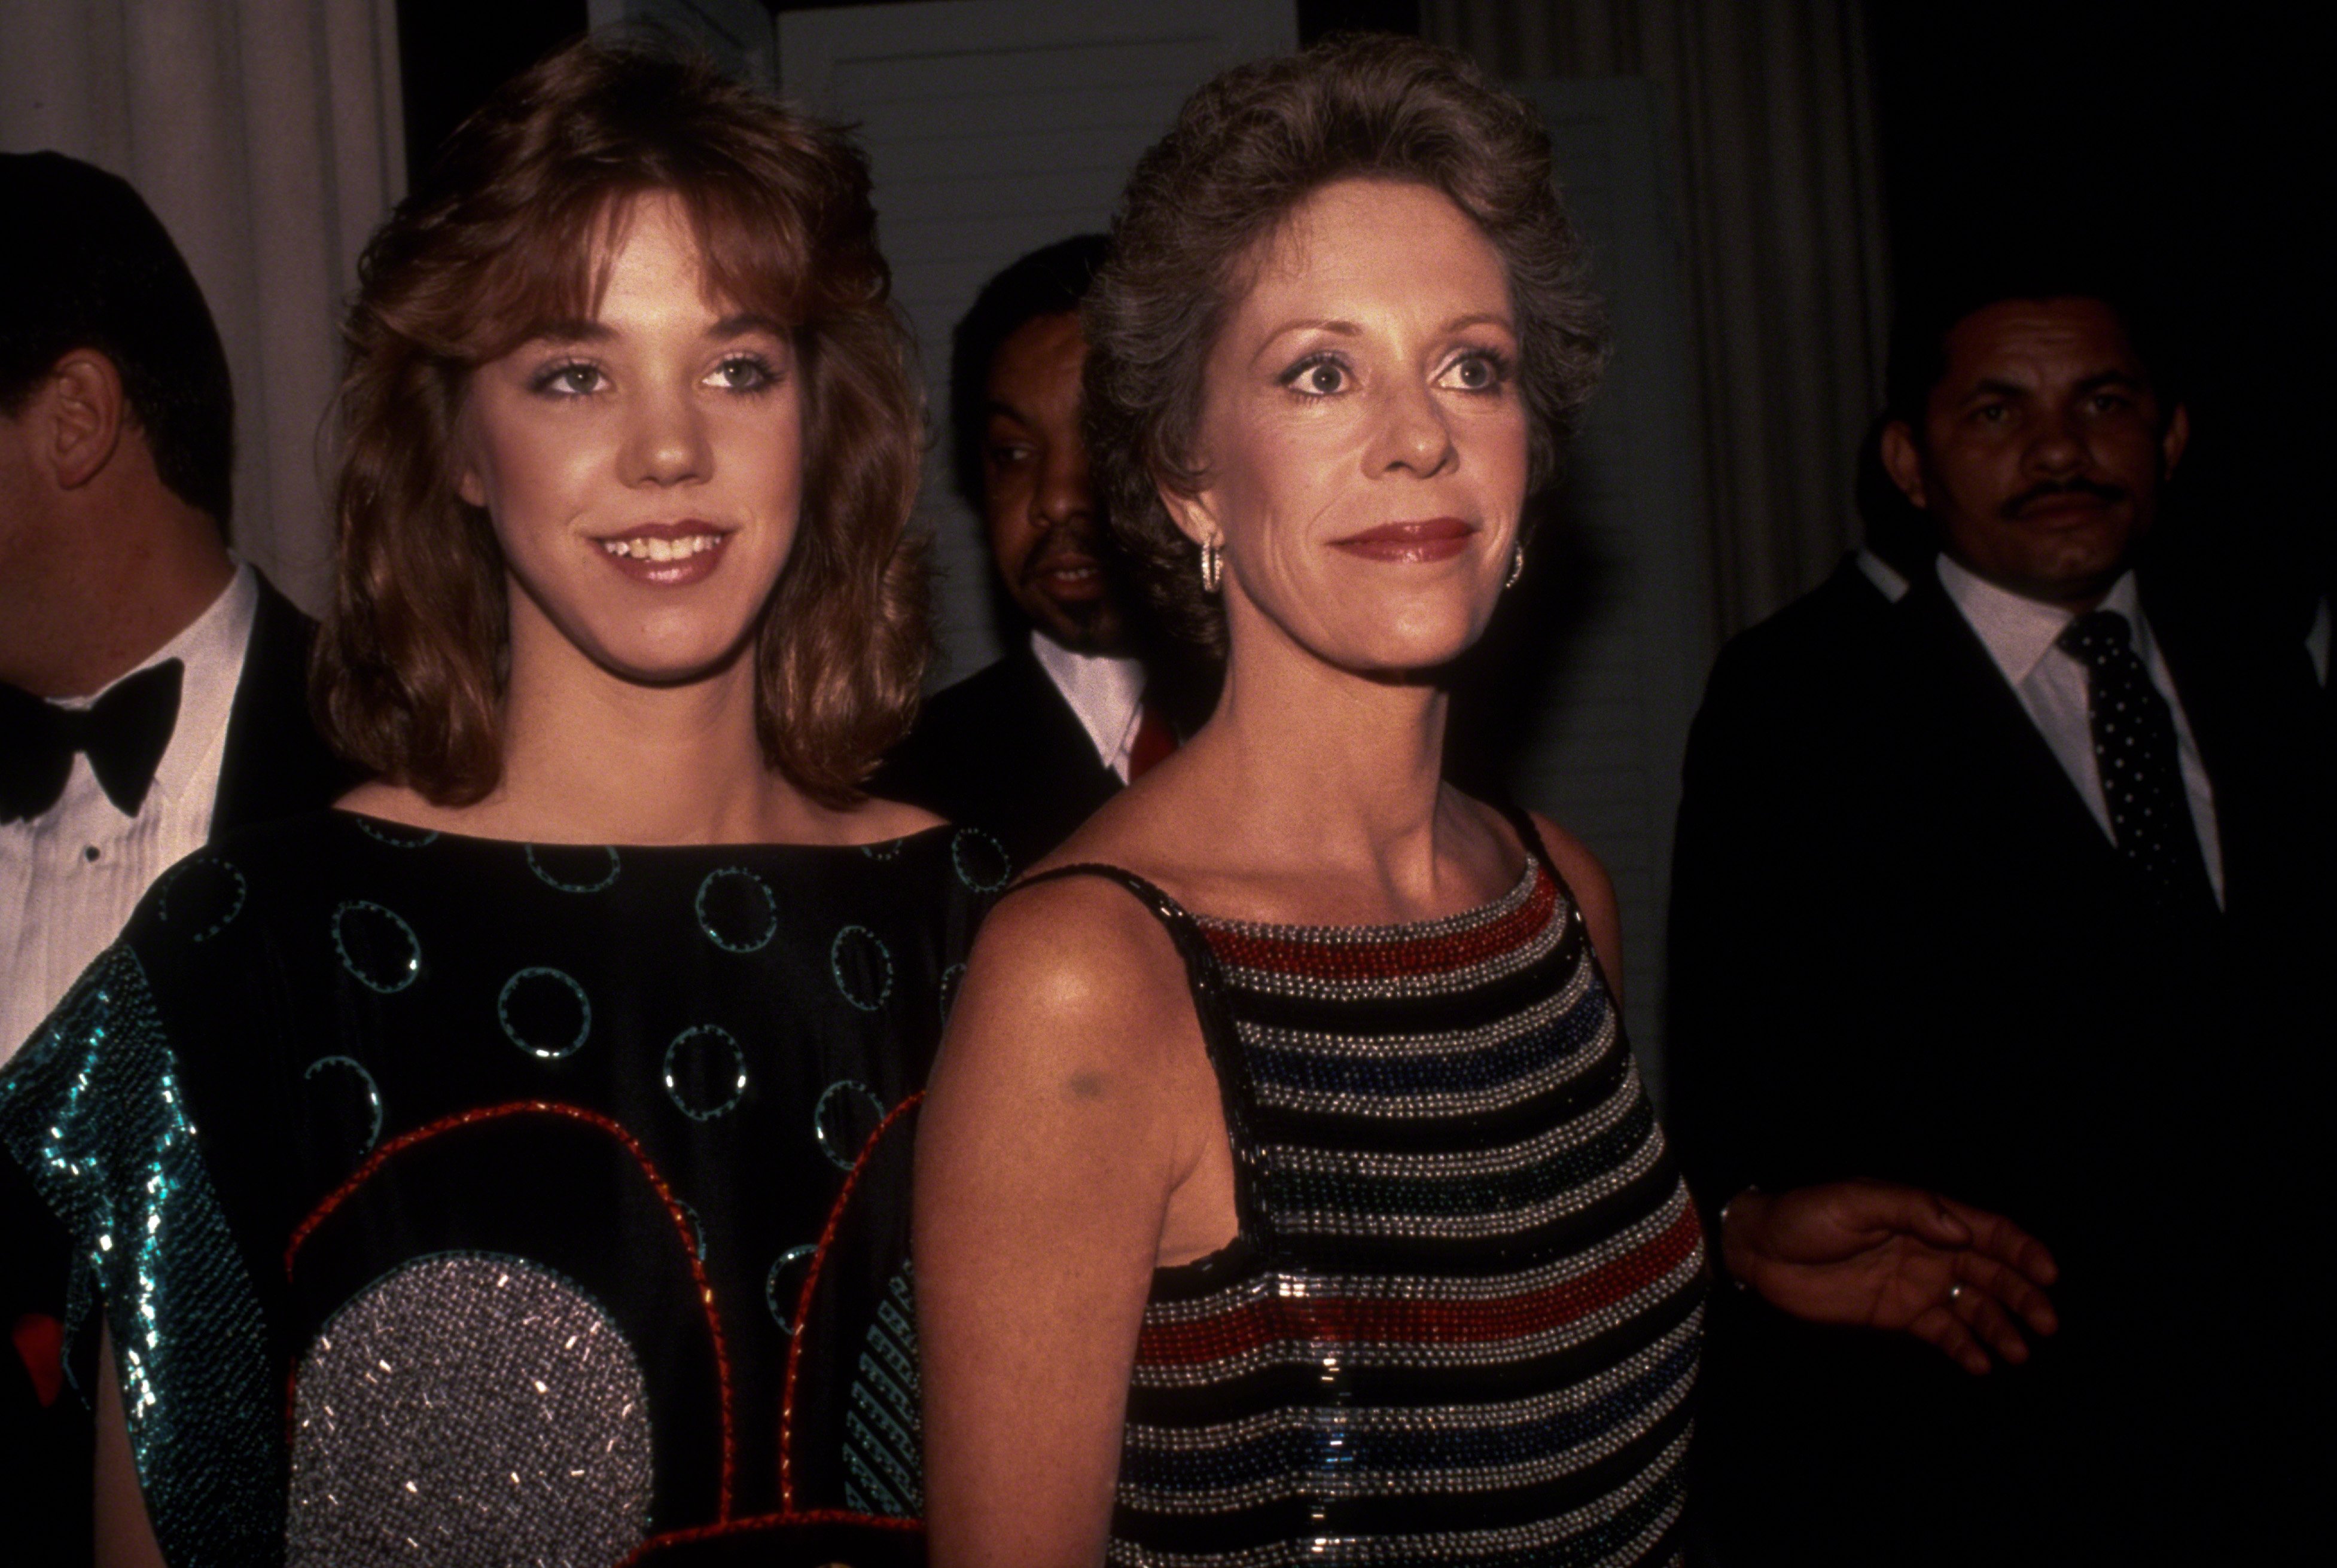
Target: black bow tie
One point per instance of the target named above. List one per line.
(124, 734)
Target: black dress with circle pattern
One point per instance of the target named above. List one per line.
(453, 1199)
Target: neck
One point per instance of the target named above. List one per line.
(590, 757)
(96, 596)
(1320, 767)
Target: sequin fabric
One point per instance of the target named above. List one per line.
(1461, 1320)
(276, 1124)
(93, 1109)
(408, 1445)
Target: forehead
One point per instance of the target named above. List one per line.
(1382, 236)
(1042, 352)
(2037, 340)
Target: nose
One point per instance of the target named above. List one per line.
(2056, 446)
(1413, 433)
(1063, 492)
(666, 443)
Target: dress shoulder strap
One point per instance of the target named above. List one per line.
(1201, 972)
(1521, 823)
(1206, 979)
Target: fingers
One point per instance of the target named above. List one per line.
(1981, 1276)
(1940, 1327)
(1978, 1312)
(1999, 1238)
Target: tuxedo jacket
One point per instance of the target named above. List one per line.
(1903, 946)
(275, 766)
(1001, 751)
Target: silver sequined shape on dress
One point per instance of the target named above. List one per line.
(474, 1408)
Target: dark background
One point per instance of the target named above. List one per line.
(2185, 145)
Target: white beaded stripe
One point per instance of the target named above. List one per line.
(1467, 1545)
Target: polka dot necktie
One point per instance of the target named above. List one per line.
(2134, 750)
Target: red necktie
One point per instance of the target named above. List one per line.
(1154, 740)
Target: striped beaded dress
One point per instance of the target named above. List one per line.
(1461, 1319)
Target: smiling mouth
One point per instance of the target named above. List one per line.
(652, 548)
(1433, 538)
(1067, 577)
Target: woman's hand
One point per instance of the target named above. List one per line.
(1873, 1254)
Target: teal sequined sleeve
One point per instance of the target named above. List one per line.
(93, 1110)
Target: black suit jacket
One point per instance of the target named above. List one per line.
(1903, 948)
(274, 766)
(1002, 750)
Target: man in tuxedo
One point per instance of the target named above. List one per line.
(152, 689)
(1998, 980)
(1027, 748)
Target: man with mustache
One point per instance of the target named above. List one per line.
(1999, 964)
(1027, 748)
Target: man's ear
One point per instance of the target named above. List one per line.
(1902, 463)
(2177, 437)
(85, 411)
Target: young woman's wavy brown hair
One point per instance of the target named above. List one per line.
(507, 238)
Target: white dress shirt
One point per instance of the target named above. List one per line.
(2020, 635)
(71, 878)
(1106, 693)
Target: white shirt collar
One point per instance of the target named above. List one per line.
(1105, 691)
(2017, 631)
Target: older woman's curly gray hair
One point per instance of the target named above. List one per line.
(1246, 151)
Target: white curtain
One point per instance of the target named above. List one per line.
(1781, 204)
(266, 136)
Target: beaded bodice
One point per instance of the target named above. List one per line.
(1462, 1316)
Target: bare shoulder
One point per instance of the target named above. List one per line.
(873, 820)
(1077, 954)
(1073, 1012)
(392, 802)
(1576, 864)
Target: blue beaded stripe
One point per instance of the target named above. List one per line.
(92, 1108)
(1506, 1443)
(1490, 1201)
(1490, 1073)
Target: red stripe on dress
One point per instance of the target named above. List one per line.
(1396, 957)
(1331, 1319)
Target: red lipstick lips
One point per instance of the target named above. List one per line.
(1435, 538)
(666, 554)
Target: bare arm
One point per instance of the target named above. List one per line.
(125, 1538)
(1053, 1139)
(1596, 894)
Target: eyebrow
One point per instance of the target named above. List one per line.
(1349, 329)
(1993, 387)
(740, 324)
(573, 331)
(747, 321)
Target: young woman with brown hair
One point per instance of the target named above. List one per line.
(463, 1172)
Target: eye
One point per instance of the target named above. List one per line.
(1477, 370)
(570, 379)
(744, 373)
(1008, 454)
(1992, 413)
(1316, 376)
